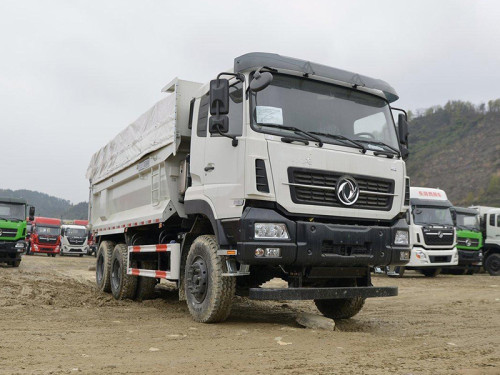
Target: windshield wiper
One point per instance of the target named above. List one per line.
(342, 138)
(295, 130)
(395, 150)
(10, 218)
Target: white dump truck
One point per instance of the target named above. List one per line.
(490, 226)
(433, 235)
(74, 240)
(278, 168)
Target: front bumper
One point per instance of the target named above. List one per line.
(74, 249)
(470, 257)
(44, 249)
(321, 244)
(9, 252)
(321, 293)
(421, 257)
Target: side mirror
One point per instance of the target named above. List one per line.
(260, 81)
(454, 217)
(403, 133)
(219, 97)
(403, 129)
(32, 213)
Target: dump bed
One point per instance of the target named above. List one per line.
(133, 178)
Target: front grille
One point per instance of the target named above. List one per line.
(439, 237)
(330, 248)
(8, 232)
(324, 194)
(440, 259)
(47, 240)
(474, 242)
(76, 241)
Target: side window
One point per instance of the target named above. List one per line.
(201, 127)
(492, 220)
(235, 111)
(498, 220)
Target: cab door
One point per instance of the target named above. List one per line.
(224, 163)
(493, 227)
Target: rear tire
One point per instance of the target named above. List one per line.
(343, 308)
(123, 286)
(492, 264)
(431, 272)
(103, 266)
(146, 285)
(209, 294)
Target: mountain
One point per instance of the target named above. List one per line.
(49, 206)
(457, 148)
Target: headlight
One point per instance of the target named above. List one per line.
(271, 231)
(20, 245)
(401, 237)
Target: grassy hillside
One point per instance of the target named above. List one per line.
(49, 206)
(457, 148)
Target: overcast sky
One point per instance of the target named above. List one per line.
(75, 73)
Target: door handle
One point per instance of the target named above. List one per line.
(209, 168)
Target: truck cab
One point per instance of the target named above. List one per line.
(74, 240)
(469, 240)
(13, 229)
(490, 225)
(45, 236)
(433, 233)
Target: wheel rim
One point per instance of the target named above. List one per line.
(197, 279)
(99, 269)
(494, 264)
(116, 271)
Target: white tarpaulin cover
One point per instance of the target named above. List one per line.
(154, 129)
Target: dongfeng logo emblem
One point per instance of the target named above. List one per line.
(347, 190)
(468, 242)
(1, 232)
(440, 234)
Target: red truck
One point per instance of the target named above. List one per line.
(45, 236)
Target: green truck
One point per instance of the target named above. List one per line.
(13, 229)
(469, 240)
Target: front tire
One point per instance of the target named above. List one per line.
(103, 266)
(431, 272)
(209, 294)
(342, 308)
(123, 286)
(16, 263)
(492, 264)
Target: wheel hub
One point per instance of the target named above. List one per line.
(495, 264)
(100, 269)
(116, 274)
(197, 278)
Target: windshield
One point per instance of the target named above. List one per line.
(432, 215)
(12, 211)
(320, 107)
(470, 222)
(50, 231)
(75, 232)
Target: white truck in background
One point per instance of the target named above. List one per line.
(277, 168)
(433, 235)
(74, 240)
(490, 226)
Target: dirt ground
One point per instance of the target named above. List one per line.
(52, 321)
